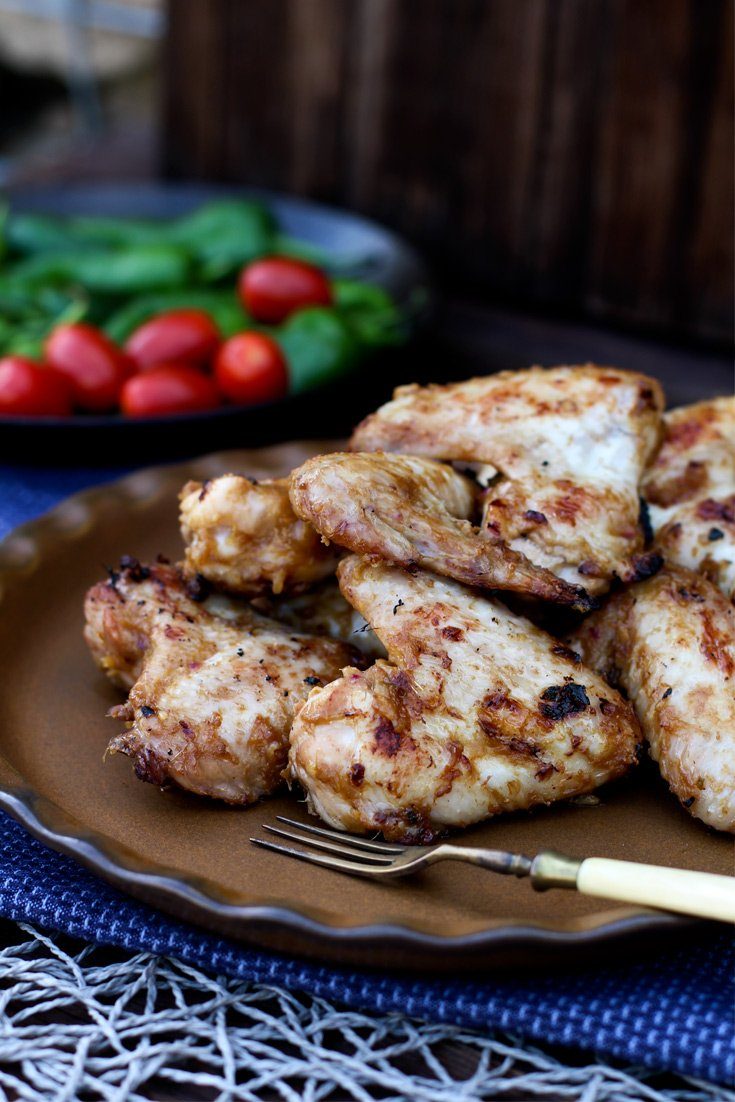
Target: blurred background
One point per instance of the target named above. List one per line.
(565, 162)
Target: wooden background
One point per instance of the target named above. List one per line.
(570, 154)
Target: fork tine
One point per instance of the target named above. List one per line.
(339, 836)
(330, 847)
(353, 867)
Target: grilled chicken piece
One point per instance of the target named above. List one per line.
(413, 512)
(570, 444)
(670, 643)
(690, 489)
(476, 712)
(243, 535)
(212, 697)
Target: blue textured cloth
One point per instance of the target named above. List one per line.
(674, 1012)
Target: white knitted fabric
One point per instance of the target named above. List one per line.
(93, 1024)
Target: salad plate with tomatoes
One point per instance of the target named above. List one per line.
(172, 318)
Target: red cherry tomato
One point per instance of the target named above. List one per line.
(128, 364)
(272, 288)
(95, 368)
(32, 391)
(250, 368)
(168, 388)
(180, 336)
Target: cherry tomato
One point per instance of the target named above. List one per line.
(26, 389)
(168, 388)
(95, 368)
(272, 288)
(250, 368)
(180, 336)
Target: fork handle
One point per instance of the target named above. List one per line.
(704, 894)
(693, 893)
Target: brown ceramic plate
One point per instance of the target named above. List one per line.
(193, 858)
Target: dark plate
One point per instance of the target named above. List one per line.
(192, 857)
(374, 253)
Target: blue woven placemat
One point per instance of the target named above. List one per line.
(675, 1012)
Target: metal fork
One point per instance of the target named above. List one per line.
(705, 894)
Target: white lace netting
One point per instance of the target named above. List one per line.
(91, 1023)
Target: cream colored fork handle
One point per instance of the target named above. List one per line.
(693, 893)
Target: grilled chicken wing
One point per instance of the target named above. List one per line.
(477, 712)
(212, 697)
(690, 489)
(244, 536)
(413, 511)
(670, 643)
(570, 444)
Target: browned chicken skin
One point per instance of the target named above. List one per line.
(690, 489)
(570, 445)
(475, 713)
(412, 511)
(670, 643)
(212, 696)
(244, 536)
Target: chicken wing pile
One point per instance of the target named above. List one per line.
(369, 626)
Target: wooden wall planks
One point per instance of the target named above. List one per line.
(572, 153)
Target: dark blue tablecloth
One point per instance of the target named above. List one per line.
(675, 1011)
